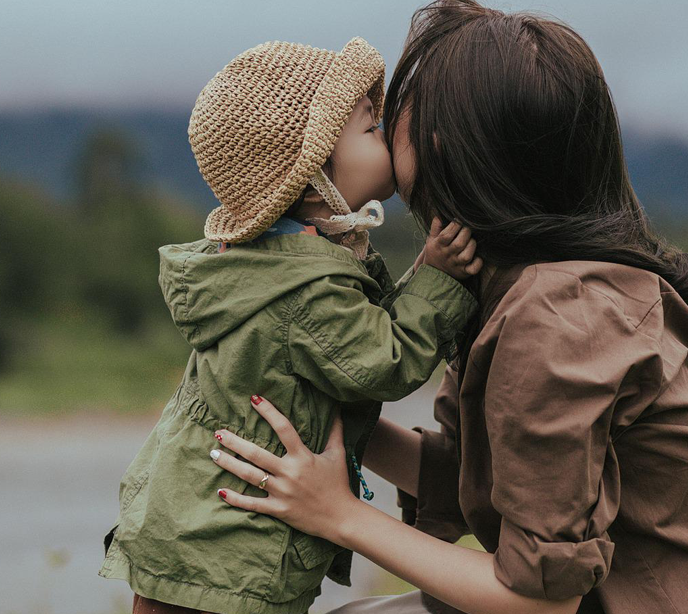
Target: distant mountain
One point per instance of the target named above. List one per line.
(658, 165)
(42, 147)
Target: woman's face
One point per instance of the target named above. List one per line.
(403, 157)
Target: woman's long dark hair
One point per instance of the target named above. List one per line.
(516, 136)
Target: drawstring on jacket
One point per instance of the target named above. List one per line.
(367, 494)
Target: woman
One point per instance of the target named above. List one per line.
(565, 423)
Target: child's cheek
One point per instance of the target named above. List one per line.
(376, 167)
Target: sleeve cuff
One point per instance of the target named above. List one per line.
(550, 570)
(436, 511)
(399, 287)
(444, 293)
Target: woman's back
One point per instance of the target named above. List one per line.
(573, 439)
(580, 377)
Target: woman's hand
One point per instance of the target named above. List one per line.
(311, 493)
(308, 491)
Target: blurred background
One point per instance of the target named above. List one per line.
(96, 173)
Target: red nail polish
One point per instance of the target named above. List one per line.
(222, 493)
(218, 436)
(256, 399)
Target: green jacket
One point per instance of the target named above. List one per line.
(297, 319)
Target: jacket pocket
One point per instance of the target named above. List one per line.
(314, 551)
(302, 567)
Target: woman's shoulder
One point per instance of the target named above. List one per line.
(582, 286)
(564, 316)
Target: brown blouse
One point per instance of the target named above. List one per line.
(571, 460)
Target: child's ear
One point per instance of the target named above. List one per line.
(311, 195)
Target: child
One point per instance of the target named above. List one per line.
(289, 304)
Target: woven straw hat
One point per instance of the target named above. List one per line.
(263, 126)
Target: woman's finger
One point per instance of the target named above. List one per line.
(250, 451)
(242, 470)
(283, 428)
(261, 505)
(449, 233)
(336, 439)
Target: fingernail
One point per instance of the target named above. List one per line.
(222, 493)
(256, 400)
(218, 436)
(214, 454)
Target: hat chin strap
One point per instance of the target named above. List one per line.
(354, 225)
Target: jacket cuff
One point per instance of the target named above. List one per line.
(445, 294)
(399, 287)
(550, 570)
(436, 511)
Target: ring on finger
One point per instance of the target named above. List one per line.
(264, 481)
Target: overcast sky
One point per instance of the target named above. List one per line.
(160, 53)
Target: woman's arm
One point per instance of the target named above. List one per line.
(461, 577)
(311, 493)
(393, 453)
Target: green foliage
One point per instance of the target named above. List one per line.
(108, 168)
(73, 362)
(674, 231)
(83, 322)
(84, 325)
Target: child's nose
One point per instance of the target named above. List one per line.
(381, 134)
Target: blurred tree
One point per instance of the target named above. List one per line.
(82, 319)
(32, 235)
(108, 168)
(124, 222)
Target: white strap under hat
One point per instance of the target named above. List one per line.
(354, 224)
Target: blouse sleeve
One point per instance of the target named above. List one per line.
(436, 511)
(565, 358)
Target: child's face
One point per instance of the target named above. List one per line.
(362, 163)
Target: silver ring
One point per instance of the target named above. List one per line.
(264, 481)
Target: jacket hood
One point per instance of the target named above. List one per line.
(209, 294)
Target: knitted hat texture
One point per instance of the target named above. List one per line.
(263, 126)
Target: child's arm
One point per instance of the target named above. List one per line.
(389, 299)
(450, 249)
(352, 349)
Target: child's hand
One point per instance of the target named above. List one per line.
(451, 250)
